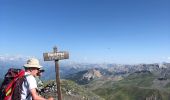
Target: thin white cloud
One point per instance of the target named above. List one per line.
(168, 58)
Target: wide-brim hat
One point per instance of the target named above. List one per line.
(41, 69)
(32, 63)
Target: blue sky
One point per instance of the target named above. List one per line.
(94, 31)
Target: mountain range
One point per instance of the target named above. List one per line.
(70, 68)
(103, 81)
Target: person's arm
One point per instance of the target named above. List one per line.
(35, 96)
(32, 87)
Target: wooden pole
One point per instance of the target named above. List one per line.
(57, 70)
(58, 80)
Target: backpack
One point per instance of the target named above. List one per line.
(12, 85)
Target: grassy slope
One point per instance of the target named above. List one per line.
(135, 87)
(129, 93)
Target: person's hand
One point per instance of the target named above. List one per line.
(51, 98)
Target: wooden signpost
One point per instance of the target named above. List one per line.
(56, 56)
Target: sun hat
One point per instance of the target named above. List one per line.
(32, 63)
(41, 69)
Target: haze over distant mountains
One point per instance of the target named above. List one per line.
(68, 68)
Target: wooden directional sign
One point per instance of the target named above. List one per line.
(56, 56)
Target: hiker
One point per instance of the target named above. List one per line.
(40, 84)
(29, 87)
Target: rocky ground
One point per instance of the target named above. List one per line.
(70, 91)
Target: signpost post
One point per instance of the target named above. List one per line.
(56, 56)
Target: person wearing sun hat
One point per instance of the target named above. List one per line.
(29, 86)
(42, 69)
(40, 84)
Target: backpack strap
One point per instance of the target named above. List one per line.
(15, 79)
